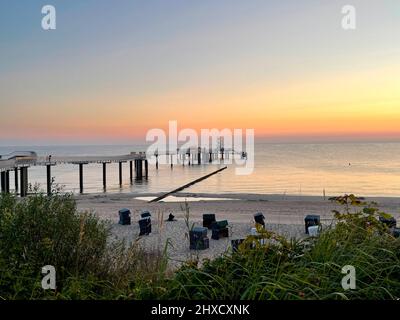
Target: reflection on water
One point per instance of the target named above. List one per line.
(368, 169)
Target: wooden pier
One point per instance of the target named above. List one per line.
(20, 162)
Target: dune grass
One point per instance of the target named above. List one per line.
(41, 230)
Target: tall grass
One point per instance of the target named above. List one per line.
(41, 230)
(307, 269)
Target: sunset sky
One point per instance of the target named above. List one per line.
(114, 69)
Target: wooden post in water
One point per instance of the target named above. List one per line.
(3, 181)
(120, 173)
(21, 180)
(157, 161)
(139, 169)
(146, 168)
(48, 175)
(7, 181)
(16, 179)
(24, 181)
(199, 156)
(136, 169)
(80, 177)
(104, 176)
(130, 172)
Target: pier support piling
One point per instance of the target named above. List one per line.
(24, 181)
(130, 172)
(120, 174)
(16, 179)
(146, 168)
(7, 181)
(81, 178)
(104, 176)
(48, 167)
(3, 181)
(139, 169)
(157, 162)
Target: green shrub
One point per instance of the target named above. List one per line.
(307, 269)
(40, 230)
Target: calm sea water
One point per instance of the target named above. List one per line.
(368, 169)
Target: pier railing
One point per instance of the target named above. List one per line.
(21, 161)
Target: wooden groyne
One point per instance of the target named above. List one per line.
(187, 185)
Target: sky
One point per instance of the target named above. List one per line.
(112, 70)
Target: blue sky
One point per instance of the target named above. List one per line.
(115, 59)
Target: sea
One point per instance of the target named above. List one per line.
(364, 169)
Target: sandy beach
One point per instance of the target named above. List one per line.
(284, 215)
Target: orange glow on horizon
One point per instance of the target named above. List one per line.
(362, 104)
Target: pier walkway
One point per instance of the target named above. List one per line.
(20, 161)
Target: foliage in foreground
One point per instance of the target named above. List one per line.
(40, 230)
(306, 269)
(43, 230)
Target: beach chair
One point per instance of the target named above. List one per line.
(198, 238)
(171, 217)
(145, 214)
(311, 220)
(391, 222)
(208, 220)
(145, 226)
(220, 230)
(259, 218)
(236, 243)
(124, 217)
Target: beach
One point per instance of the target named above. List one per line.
(284, 215)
